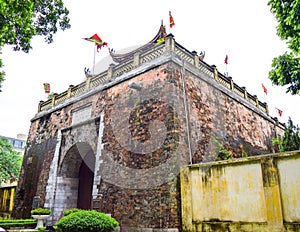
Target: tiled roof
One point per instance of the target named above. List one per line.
(118, 58)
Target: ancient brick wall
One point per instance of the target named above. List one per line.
(146, 193)
(215, 119)
(223, 119)
(39, 152)
(153, 123)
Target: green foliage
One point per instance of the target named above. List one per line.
(220, 153)
(21, 20)
(88, 221)
(224, 154)
(286, 71)
(41, 211)
(26, 223)
(2, 73)
(69, 211)
(290, 140)
(286, 68)
(287, 14)
(244, 154)
(10, 161)
(43, 228)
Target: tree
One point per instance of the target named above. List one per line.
(291, 138)
(10, 162)
(21, 20)
(286, 68)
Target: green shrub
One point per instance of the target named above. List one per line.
(69, 211)
(42, 228)
(87, 221)
(26, 223)
(224, 154)
(290, 140)
(244, 154)
(219, 152)
(41, 211)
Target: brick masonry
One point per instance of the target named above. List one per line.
(140, 130)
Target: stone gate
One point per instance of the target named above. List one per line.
(115, 143)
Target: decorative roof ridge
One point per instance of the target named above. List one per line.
(118, 58)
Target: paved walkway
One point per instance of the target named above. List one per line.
(23, 230)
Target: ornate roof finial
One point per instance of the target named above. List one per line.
(121, 57)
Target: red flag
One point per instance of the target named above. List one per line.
(47, 87)
(97, 40)
(279, 111)
(172, 23)
(265, 89)
(99, 46)
(226, 59)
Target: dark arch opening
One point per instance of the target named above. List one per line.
(77, 176)
(86, 179)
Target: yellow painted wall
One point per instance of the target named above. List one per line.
(7, 195)
(261, 193)
(219, 192)
(289, 175)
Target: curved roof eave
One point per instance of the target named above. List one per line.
(118, 58)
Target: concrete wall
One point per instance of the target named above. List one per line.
(250, 194)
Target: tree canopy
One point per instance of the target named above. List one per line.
(21, 20)
(286, 67)
(10, 162)
(291, 138)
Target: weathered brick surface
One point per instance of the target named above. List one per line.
(156, 207)
(151, 208)
(34, 174)
(215, 115)
(131, 142)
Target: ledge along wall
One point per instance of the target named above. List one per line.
(249, 194)
(141, 121)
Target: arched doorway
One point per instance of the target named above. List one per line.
(86, 178)
(76, 177)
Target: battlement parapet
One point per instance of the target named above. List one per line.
(142, 57)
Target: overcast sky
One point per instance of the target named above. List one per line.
(243, 29)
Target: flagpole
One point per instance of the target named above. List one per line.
(94, 60)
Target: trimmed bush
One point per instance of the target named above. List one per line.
(43, 228)
(23, 223)
(69, 211)
(41, 211)
(87, 221)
